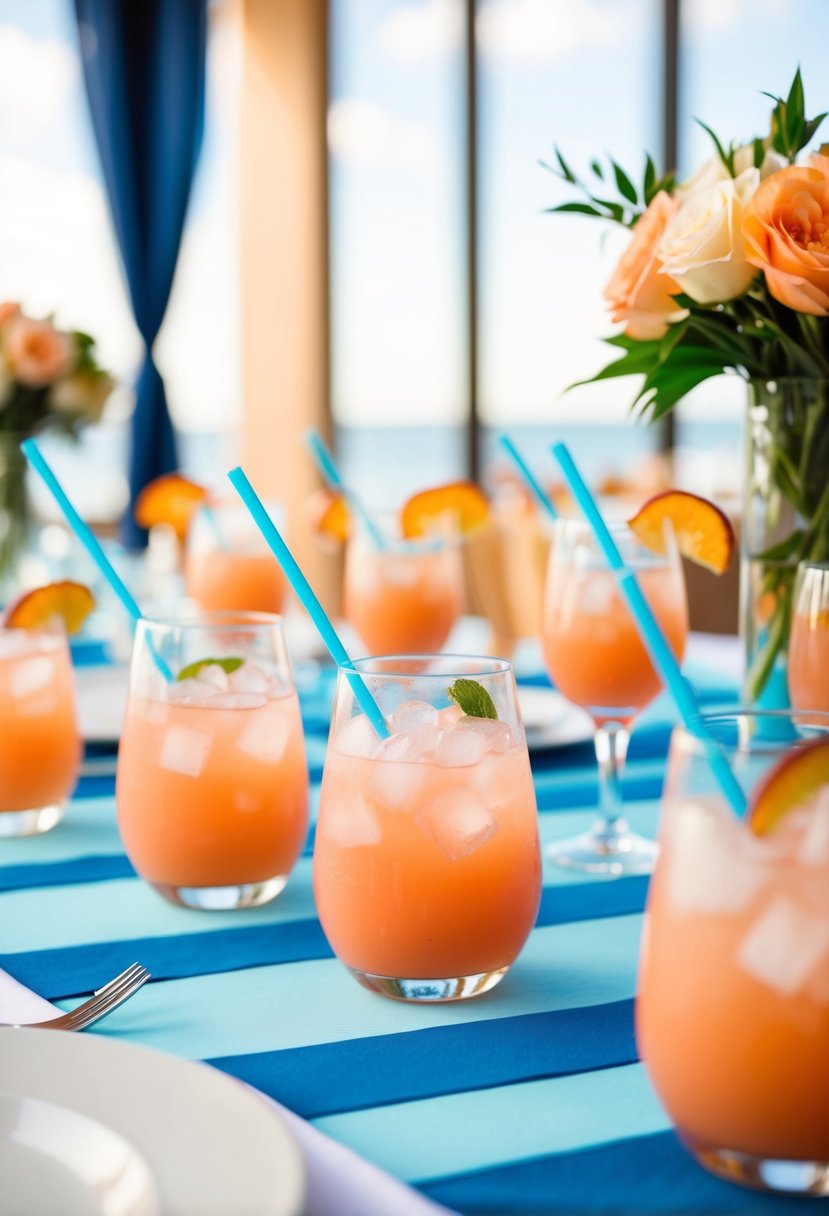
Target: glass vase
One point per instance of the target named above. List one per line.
(785, 520)
(14, 510)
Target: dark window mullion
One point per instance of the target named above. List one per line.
(473, 444)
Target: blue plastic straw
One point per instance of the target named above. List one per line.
(307, 598)
(660, 652)
(518, 460)
(331, 475)
(88, 540)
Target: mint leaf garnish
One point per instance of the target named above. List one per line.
(193, 669)
(473, 699)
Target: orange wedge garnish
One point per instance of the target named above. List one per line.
(461, 503)
(329, 515)
(793, 781)
(703, 533)
(170, 499)
(68, 602)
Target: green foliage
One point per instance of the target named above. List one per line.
(632, 201)
(472, 698)
(791, 130)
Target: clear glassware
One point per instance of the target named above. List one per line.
(228, 566)
(596, 659)
(808, 658)
(212, 781)
(427, 871)
(405, 598)
(40, 746)
(732, 1013)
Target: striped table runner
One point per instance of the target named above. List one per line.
(529, 1100)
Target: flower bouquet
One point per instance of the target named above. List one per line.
(729, 272)
(48, 378)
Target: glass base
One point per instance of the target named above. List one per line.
(30, 823)
(224, 899)
(458, 988)
(764, 1173)
(610, 850)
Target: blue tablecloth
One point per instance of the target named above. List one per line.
(530, 1099)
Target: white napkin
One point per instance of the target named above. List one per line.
(338, 1180)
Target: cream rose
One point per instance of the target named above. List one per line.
(713, 170)
(84, 393)
(702, 245)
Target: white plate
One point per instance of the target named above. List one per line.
(550, 720)
(102, 700)
(211, 1145)
(55, 1160)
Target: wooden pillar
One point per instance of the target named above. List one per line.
(284, 256)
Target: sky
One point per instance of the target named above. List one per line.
(579, 73)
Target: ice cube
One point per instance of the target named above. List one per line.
(401, 571)
(597, 594)
(249, 678)
(713, 866)
(393, 749)
(449, 716)
(29, 675)
(813, 849)
(498, 736)
(458, 748)
(458, 822)
(394, 786)
(356, 738)
(215, 675)
(423, 741)
(410, 714)
(237, 700)
(265, 737)
(185, 750)
(150, 710)
(349, 823)
(189, 692)
(785, 946)
(14, 642)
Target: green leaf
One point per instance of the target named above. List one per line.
(650, 178)
(578, 209)
(597, 169)
(566, 172)
(795, 102)
(193, 669)
(472, 698)
(623, 184)
(759, 152)
(785, 549)
(727, 157)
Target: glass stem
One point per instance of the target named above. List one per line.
(611, 742)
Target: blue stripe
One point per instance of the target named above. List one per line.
(59, 873)
(644, 1174)
(69, 971)
(335, 1077)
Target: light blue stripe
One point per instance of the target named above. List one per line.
(88, 828)
(435, 1137)
(42, 918)
(301, 1004)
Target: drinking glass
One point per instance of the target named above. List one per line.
(595, 657)
(212, 783)
(406, 597)
(808, 670)
(427, 871)
(228, 566)
(40, 747)
(732, 1015)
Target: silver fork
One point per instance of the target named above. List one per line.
(98, 1006)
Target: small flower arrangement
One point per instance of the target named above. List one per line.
(48, 378)
(729, 272)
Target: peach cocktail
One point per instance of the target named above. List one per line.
(808, 667)
(427, 871)
(228, 567)
(406, 597)
(733, 1007)
(212, 782)
(595, 657)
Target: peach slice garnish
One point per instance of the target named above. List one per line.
(793, 781)
(329, 515)
(703, 533)
(171, 499)
(462, 503)
(66, 601)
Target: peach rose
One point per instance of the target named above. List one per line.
(639, 296)
(786, 234)
(8, 310)
(37, 353)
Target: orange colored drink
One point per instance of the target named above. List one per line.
(212, 783)
(40, 752)
(426, 861)
(808, 665)
(733, 1005)
(592, 647)
(228, 567)
(404, 599)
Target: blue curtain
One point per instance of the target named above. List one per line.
(143, 64)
